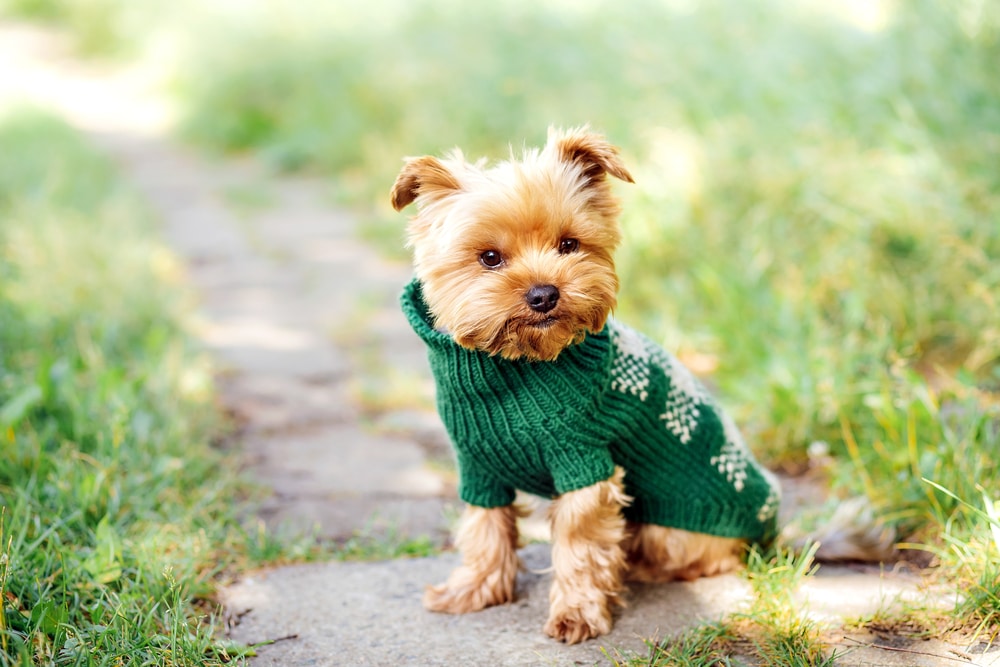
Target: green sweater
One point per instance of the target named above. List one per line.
(615, 399)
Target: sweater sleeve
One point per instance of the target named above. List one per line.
(577, 465)
(478, 487)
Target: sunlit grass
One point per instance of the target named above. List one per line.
(970, 554)
(775, 625)
(706, 644)
(118, 518)
(772, 630)
(116, 514)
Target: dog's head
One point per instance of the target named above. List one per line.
(517, 259)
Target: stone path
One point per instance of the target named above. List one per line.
(330, 392)
(281, 277)
(370, 614)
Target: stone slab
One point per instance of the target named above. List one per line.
(370, 614)
(870, 649)
(380, 518)
(270, 403)
(342, 460)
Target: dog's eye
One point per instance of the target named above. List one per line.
(491, 259)
(567, 246)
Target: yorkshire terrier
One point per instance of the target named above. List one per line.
(542, 391)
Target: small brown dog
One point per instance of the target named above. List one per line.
(541, 391)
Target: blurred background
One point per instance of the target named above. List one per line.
(815, 222)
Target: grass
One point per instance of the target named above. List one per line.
(367, 546)
(815, 211)
(116, 514)
(118, 517)
(771, 631)
(706, 645)
(97, 28)
(110, 492)
(774, 625)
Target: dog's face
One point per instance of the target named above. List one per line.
(517, 259)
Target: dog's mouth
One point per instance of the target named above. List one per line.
(541, 337)
(543, 323)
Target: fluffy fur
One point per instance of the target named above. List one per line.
(488, 541)
(521, 210)
(485, 240)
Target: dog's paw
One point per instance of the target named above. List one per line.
(465, 596)
(574, 625)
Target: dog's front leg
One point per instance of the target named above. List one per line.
(487, 539)
(587, 559)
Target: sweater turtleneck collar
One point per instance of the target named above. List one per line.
(593, 353)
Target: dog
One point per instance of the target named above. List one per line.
(542, 391)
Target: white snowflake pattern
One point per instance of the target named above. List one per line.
(631, 368)
(635, 360)
(773, 500)
(684, 400)
(731, 460)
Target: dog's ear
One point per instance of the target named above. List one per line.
(422, 176)
(591, 151)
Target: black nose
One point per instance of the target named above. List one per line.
(542, 298)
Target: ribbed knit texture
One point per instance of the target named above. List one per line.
(614, 399)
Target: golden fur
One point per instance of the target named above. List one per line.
(521, 209)
(488, 541)
(657, 554)
(547, 219)
(587, 560)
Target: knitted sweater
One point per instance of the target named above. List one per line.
(549, 427)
